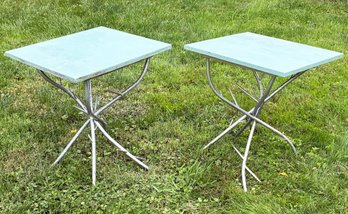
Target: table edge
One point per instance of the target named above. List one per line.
(260, 68)
(87, 77)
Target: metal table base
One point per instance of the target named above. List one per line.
(90, 109)
(252, 117)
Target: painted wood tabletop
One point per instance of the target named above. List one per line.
(87, 54)
(263, 53)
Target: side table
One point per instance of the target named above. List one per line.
(263, 55)
(83, 56)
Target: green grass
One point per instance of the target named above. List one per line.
(173, 114)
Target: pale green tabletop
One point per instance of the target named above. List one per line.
(87, 54)
(266, 54)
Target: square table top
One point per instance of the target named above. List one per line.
(87, 54)
(263, 53)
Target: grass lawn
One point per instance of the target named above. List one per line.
(173, 114)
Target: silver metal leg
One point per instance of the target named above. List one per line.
(246, 153)
(89, 104)
(225, 131)
(89, 108)
(248, 114)
(251, 116)
(71, 142)
(249, 170)
(120, 147)
(94, 153)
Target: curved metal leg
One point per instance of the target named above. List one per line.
(94, 121)
(256, 112)
(225, 132)
(82, 107)
(61, 87)
(246, 153)
(121, 147)
(248, 114)
(263, 95)
(249, 170)
(259, 83)
(147, 62)
(71, 142)
(251, 116)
